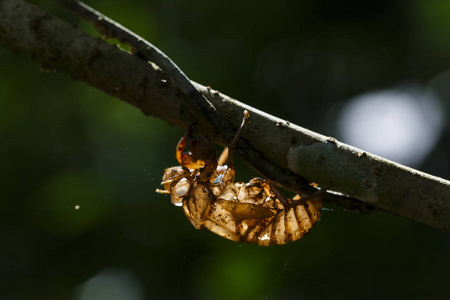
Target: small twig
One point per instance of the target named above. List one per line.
(349, 203)
(236, 139)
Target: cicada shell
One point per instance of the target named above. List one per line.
(253, 212)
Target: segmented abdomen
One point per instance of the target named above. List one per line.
(285, 226)
(253, 213)
(262, 224)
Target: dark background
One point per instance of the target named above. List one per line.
(63, 144)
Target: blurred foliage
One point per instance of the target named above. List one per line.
(79, 169)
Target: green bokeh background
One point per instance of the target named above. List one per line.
(63, 144)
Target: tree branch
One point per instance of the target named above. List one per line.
(200, 106)
(299, 153)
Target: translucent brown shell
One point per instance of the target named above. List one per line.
(253, 212)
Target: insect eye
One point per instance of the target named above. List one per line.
(182, 187)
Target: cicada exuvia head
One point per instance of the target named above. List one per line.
(177, 182)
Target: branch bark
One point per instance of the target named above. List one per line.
(299, 153)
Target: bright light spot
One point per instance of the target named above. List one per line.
(399, 125)
(111, 284)
(77, 207)
(264, 238)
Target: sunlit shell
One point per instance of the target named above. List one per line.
(253, 212)
(285, 226)
(264, 224)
